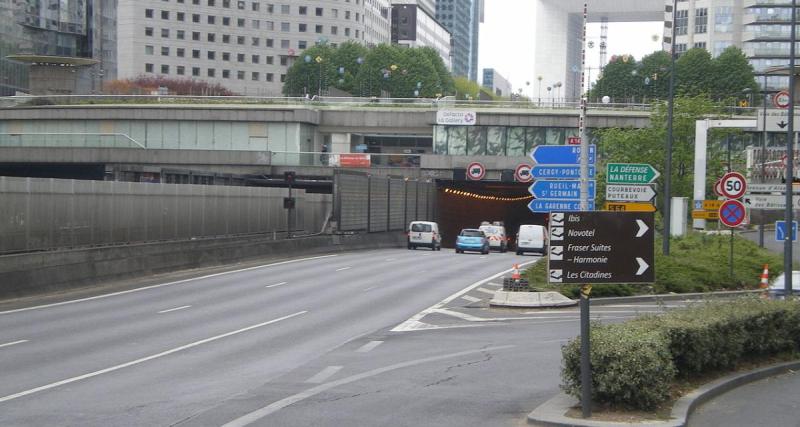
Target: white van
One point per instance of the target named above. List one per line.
(424, 233)
(531, 238)
(496, 234)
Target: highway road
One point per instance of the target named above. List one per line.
(384, 337)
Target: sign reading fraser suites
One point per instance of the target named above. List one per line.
(456, 117)
(630, 173)
(601, 247)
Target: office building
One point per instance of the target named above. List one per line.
(498, 84)
(246, 46)
(61, 47)
(462, 18)
(413, 25)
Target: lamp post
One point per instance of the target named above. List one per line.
(540, 89)
(307, 60)
(417, 90)
(558, 91)
(319, 83)
(360, 61)
(552, 101)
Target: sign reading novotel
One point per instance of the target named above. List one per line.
(456, 117)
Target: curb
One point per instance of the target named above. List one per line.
(551, 413)
(670, 297)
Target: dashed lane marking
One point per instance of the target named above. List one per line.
(343, 268)
(9, 344)
(486, 291)
(470, 299)
(366, 348)
(276, 285)
(324, 375)
(174, 309)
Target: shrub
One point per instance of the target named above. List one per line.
(633, 363)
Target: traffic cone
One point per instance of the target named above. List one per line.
(764, 284)
(515, 272)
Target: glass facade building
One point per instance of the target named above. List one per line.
(462, 18)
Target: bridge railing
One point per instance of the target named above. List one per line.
(69, 139)
(349, 160)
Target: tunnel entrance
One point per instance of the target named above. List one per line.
(465, 204)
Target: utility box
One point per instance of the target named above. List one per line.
(679, 211)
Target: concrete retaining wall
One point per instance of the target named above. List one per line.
(43, 272)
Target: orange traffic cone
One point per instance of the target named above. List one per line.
(515, 272)
(764, 284)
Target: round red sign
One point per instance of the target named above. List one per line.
(732, 213)
(523, 173)
(476, 171)
(781, 99)
(733, 185)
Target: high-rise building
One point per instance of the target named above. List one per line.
(462, 18)
(414, 26)
(498, 84)
(65, 46)
(246, 46)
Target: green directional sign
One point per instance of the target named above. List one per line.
(630, 173)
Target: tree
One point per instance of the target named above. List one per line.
(619, 81)
(311, 72)
(733, 75)
(347, 60)
(446, 83)
(465, 87)
(655, 68)
(695, 73)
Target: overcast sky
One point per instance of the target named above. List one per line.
(510, 20)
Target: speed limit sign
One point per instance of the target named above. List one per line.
(733, 185)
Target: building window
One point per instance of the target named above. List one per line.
(255, 6)
(148, 68)
(212, 37)
(318, 29)
(226, 3)
(270, 8)
(334, 30)
(165, 33)
(285, 9)
(240, 4)
(148, 13)
(283, 78)
(148, 50)
(212, 55)
(346, 32)
(346, 14)
(302, 44)
(255, 76)
(196, 71)
(212, 3)
(196, 18)
(319, 11)
(269, 77)
(164, 14)
(180, 70)
(270, 60)
(196, 53)
(335, 13)
(226, 56)
(148, 31)
(285, 26)
(165, 69)
(196, 35)
(255, 41)
(180, 52)
(256, 24)
(226, 74)
(212, 72)
(680, 48)
(211, 19)
(240, 22)
(701, 45)
(180, 34)
(284, 60)
(301, 28)
(226, 20)
(226, 38)
(255, 59)
(240, 57)
(700, 20)
(181, 16)
(164, 51)
(302, 10)
(681, 22)
(284, 44)
(269, 25)
(269, 42)
(240, 75)
(240, 40)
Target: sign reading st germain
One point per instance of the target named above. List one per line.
(601, 247)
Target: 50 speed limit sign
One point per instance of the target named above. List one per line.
(733, 185)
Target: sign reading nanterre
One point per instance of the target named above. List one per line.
(456, 117)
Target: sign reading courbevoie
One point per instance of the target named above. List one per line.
(456, 117)
(601, 247)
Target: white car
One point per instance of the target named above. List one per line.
(424, 233)
(496, 234)
(531, 238)
(777, 289)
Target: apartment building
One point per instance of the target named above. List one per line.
(245, 45)
(414, 25)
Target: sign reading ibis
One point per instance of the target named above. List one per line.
(630, 173)
(601, 247)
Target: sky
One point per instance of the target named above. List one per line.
(509, 20)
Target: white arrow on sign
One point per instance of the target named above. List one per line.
(764, 201)
(643, 266)
(777, 120)
(629, 193)
(642, 228)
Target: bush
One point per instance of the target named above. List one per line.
(634, 363)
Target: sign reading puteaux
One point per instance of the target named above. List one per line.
(456, 117)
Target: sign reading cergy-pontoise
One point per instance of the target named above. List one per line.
(456, 117)
(601, 247)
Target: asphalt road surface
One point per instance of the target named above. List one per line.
(386, 337)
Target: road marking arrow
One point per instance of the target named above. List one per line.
(642, 266)
(642, 228)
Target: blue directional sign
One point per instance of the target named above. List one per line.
(560, 189)
(780, 231)
(548, 205)
(560, 154)
(559, 172)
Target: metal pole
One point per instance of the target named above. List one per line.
(730, 258)
(764, 135)
(584, 166)
(586, 364)
(670, 112)
(787, 242)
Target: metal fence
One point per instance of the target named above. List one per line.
(375, 203)
(41, 214)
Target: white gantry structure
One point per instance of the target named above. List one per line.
(558, 29)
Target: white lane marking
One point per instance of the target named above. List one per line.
(370, 288)
(343, 268)
(324, 375)
(413, 323)
(470, 299)
(366, 348)
(174, 309)
(9, 344)
(145, 359)
(481, 257)
(486, 291)
(390, 259)
(277, 284)
(277, 406)
(130, 291)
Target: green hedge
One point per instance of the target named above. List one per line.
(634, 364)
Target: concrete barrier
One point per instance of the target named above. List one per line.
(42, 272)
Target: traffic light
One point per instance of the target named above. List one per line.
(289, 176)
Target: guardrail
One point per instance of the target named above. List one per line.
(69, 139)
(325, 159)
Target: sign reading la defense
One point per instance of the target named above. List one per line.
(456, 117)
(630, 173)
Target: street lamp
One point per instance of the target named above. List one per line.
(319, 60)
(416, 91)
(558, 91)
(552, 101)
(360, 61)
(307, 60)
(540, 88)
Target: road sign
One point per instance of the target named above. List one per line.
(476, 171)
(776, 120)
(550, 205)
(718, 188)
(780, 231)
(781, 99)
(771, 188)
(601, 247)
(711, 205)
(734, 185)
(560, 189)
(766, 201)
(630, 173)
(560, 154)
(559, 172)
(705, 214)
(629, 193)
(574, 140)
(629, 207)
(523, 173)
(732, 213)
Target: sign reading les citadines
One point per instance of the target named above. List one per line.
(456, 117)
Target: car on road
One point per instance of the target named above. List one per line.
(531, 238)
(425, 234)
(496, 233)
(777, 287)
(472, 239)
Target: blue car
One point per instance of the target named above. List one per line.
(472, 239)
